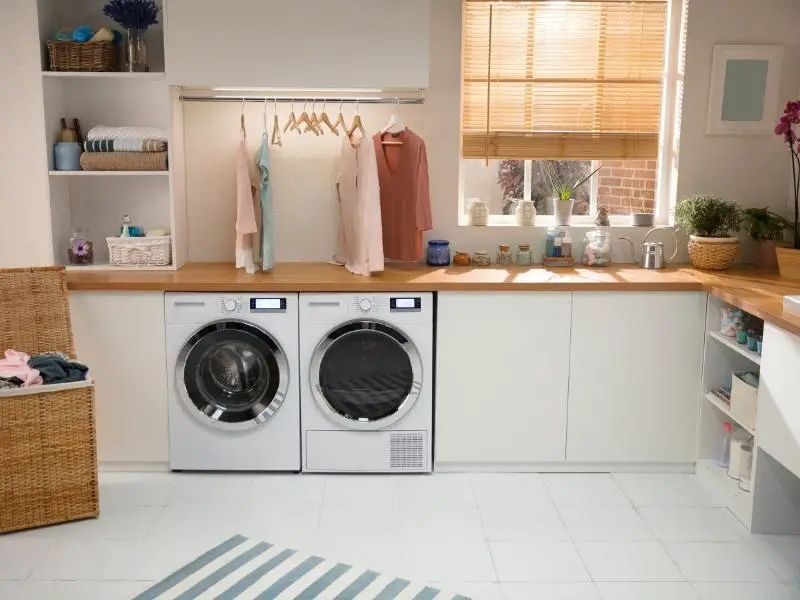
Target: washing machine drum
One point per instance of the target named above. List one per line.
(366, 374)
(234, 375)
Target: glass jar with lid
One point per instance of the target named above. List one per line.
(462, 259)
(480, 258)
(81, 248)
(524, 256)
(438, 253)
(597, 248)
(504, 256)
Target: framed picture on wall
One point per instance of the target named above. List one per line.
(745, 87)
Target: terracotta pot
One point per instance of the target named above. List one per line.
(788, 262)
(765, 254)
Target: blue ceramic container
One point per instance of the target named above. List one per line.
(67, 156)
(438, 253)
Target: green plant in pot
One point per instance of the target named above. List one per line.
(564, 193)
(789, 258)
(710, 222)
(767, 229)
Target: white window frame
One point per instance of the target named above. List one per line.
(668, 146)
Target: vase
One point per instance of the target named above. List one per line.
(562, 211)
(478, 212)
(766, 256)
(788, 262)
(136, 51)
(713, 254)
(525, 213)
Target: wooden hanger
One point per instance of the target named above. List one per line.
(395, 122)
(356, 123)
(241, 117)
(326, 121)
(314, 120)
(340, 120)
(291, 122)
(276, 139)
(304, 118)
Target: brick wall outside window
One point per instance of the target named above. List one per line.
(625, 186)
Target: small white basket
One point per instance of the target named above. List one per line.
(140, 251)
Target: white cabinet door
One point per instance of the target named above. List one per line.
(121, 337)
(778, 419)
(635, 376)
(502, 363)
(307, 44)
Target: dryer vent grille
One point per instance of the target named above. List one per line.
(407, 451)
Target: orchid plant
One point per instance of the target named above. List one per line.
(787, 128)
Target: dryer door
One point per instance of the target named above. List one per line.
(366, 374)
(232, 375)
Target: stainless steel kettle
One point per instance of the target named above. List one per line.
(652, 256)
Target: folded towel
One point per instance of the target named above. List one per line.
(124, 161)
(103, 132)
(127, 145)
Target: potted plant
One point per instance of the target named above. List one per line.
(767, 229)
(789, 258)
(564, 193)
(135, 16)
(710, 222)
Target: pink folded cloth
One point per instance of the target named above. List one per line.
(15, 364)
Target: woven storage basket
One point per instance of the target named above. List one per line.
(124, 161)
(140, 251)
(48, 456)
(88, 56)
(713, 254)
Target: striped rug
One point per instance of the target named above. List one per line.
(251, 570)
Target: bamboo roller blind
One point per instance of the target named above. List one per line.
(572, 79)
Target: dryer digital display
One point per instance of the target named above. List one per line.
(259, 305)
(405, 304)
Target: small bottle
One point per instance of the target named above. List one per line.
(524, 257)
(504, 256)
(566, 247)
(125, 230)
(557, 246)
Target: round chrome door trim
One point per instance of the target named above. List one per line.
(213, 416)
(389, 330)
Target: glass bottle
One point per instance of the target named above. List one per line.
(597, 250)
(504, 256)
(524, 257)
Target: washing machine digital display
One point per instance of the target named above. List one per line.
(405, 304)
(261, 305)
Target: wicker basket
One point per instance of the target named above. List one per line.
(713, 254)
(48, 454)
(140, 251)
(87, 56)
(124, 161)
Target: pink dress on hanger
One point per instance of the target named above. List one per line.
(360, 244)
(246, 228)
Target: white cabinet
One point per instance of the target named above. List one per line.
(501, 377)
(121, 337)
(778, 420)
(307, 44)
(635, 375)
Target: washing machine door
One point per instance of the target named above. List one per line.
(366, 374)
(232, 375)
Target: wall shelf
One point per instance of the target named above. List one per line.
(726, 410)
(108, 173)
(739, 348)
(100, 75)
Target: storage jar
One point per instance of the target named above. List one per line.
(731, 322)
(504, 256)
(480, 258)
(438, 253)
(525, 213)
(81, 248)
(462, 259)
(478, 212)
(597, 250)
(524, 257)
(67, 156)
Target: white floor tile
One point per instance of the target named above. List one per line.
(281, 490)
(647, 591)
(667, 489)
(209, 522)
(289, 526)
(505, 490)
(781, 553)
(470, 589)
(435, 491)
(134, 489)
(345, 519)
(628, 561)
(19, 555)
(210, 490)
(13, 589)
(570, 489)
(550, 591)
(719, 562)
(160, 557)
(442, 524)
(89, 560)
(457, 560)
(80, 590)
(517, 523)
(691, 524)
(362, 490)
(746, 591)
(538, 561)
(604, 523)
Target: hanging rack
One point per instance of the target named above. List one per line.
(307, 99)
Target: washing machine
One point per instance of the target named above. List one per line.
(366, 368)
(233, 374)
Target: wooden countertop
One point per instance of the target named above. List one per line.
(757, 292)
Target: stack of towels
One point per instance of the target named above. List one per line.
(125, 149)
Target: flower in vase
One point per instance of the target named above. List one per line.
(80, 247)
(132, 14)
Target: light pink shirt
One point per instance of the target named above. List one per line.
(246, 227)
(360, 244)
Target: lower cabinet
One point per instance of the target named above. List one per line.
(121, 337)
(502, 364)
(635, 376)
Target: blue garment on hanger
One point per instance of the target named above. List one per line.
(267, 245)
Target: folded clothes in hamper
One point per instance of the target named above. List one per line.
(124, 161)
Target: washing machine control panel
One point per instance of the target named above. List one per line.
(405, 304)
(228, 304)
(267, 305)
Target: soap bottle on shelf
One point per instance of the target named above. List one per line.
(125, 229)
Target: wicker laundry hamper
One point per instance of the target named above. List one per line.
(48, 447)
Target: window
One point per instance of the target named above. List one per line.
(579, 83)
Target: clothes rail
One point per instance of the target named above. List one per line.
(308, 99)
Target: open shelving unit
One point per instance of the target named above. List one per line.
(736, 347)
(95, 201)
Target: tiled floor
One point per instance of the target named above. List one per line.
(512, 537)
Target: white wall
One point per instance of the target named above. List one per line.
(24, 200)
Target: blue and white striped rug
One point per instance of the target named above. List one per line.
(251, 570)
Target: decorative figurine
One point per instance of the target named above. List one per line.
(602, 217)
